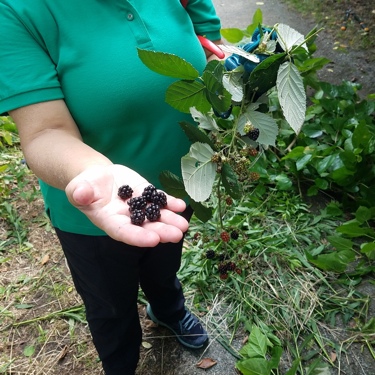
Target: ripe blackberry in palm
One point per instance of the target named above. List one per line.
(148, 191)
(125, 192)
(137, 203)
(137, 217)
(153, 212)
(159, 198)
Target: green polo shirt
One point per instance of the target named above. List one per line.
(85, 52)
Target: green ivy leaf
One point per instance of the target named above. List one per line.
(198, 171)
(230, 182)
(183, 95)
(292, 95)
(168, 64)
(172, 184)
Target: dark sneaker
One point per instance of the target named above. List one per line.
(189, 331)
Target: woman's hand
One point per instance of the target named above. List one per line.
(94, 192)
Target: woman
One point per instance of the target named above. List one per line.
(92, 118)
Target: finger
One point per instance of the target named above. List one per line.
(170, 218)
(165, 232)
(83, 194)
(175, 204)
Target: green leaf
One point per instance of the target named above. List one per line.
(183, 95)
(277, 351)
(283, 182)
(29, 350)
(230, 181)
(172, 184)
(217, 95)
(363, 214)
(337, 261)
(257, 20)
(196, 135)
(353, 229)
(24, 306)
(292, 95)
(168, 64)
(202, 212)
(340, 243)
(301, 162)
(294, 368)
(369, 250)
(264, 76)
(256, 345)
(232, 35)
(198, 172)
(254, 366)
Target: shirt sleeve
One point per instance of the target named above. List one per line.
(27, 73)
(205, 20)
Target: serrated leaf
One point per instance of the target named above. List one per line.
(267, 126)
(183, 95)
(234, 85)
(241, 52)
(198, 172)
(230, 182)
(217, 95)
(340, 243)
(254, 366)
(195, 135)
(168, 64)
(204, 121)
(172, 184)
(292, 95)
(288, 37)
(264, 76)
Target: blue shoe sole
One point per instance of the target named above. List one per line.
(178, 337)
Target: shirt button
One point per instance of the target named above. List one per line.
(130, 17)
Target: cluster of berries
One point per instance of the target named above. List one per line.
(225, 236)
(226, 267)
(147, 206)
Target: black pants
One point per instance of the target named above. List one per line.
(107, 275)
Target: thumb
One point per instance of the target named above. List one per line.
(81, 194)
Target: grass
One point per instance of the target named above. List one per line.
(296, 306)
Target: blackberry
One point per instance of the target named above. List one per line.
(253, 134)
(231, 266)
(234, 235)
(229, 201)
(223, 268)
(137, 217)
(137, 203)
(159, 198)
(223, 276)
(223, 257)
(210, 254)
(147, 193)
(225, 236)
(253, 152)
(238, 271)
(153, 212)
(125, 192)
